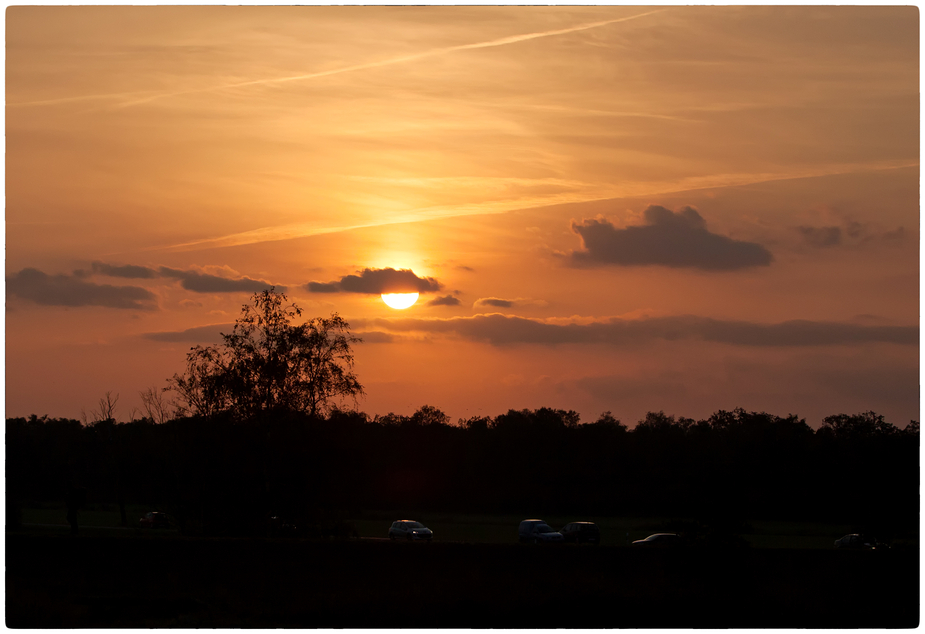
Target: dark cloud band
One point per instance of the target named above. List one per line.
(446, 300)
(505, 330)
(199, 334)
(494, 302)
(128, 271)
(206, 283)
(76, 290)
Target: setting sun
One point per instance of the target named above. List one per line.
(399, 300)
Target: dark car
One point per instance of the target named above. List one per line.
(154, 520)
(410, 530)
(659, 540)
(537, 532)
(581, 533)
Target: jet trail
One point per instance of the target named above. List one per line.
(348, 69)
(591, 193)
(57, 100)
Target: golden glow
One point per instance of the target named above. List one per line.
(399, 300)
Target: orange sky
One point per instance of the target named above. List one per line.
(619, 208)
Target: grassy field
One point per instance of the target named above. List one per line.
(132, 579)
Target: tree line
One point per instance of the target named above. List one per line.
(221, 474)
(258, 428)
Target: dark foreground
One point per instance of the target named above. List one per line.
(53, 581)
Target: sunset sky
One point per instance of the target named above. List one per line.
(613, 208)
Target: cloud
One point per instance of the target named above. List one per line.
(854, 229)
(136, 99)
(66, 290)
(77, 290)
(323, 287)
(128, 271)
(446, 300)
(199, 334)
(849, 233)
(679, 240)
(499, 330)
(378, 281)
(497, 302)
(494, 301)
(897, 234)
(191, 280)
(821, 236)
(206, 283)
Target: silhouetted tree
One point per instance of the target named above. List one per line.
(347, 417)
(429, 415)
(156, 407)
(866, 424)
(606, 419)
(475, 422)
(660, 422)
(391, 420)
(104, 411)
(542, 419)
(269, 364)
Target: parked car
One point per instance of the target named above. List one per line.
(154, 520)
(538, 532)
(857, 541)
(410, 530)
(581, 533)
(659, 540)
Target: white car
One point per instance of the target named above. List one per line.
(660, 540)
(410, 530)
(538, 532)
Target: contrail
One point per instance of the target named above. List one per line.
(349, 69)
(591, 193)
(53, 101)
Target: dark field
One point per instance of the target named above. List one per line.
(158, 580)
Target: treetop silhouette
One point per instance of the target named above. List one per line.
(268, 364)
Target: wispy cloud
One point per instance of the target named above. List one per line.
(579, 193)
(59, 100)
(504, 41)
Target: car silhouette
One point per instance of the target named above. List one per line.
(659, 540)
(154, 519)
(581, 533)
(410, 530)
(857, 541)
(538, 532)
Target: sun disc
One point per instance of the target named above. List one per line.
(399, 300)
